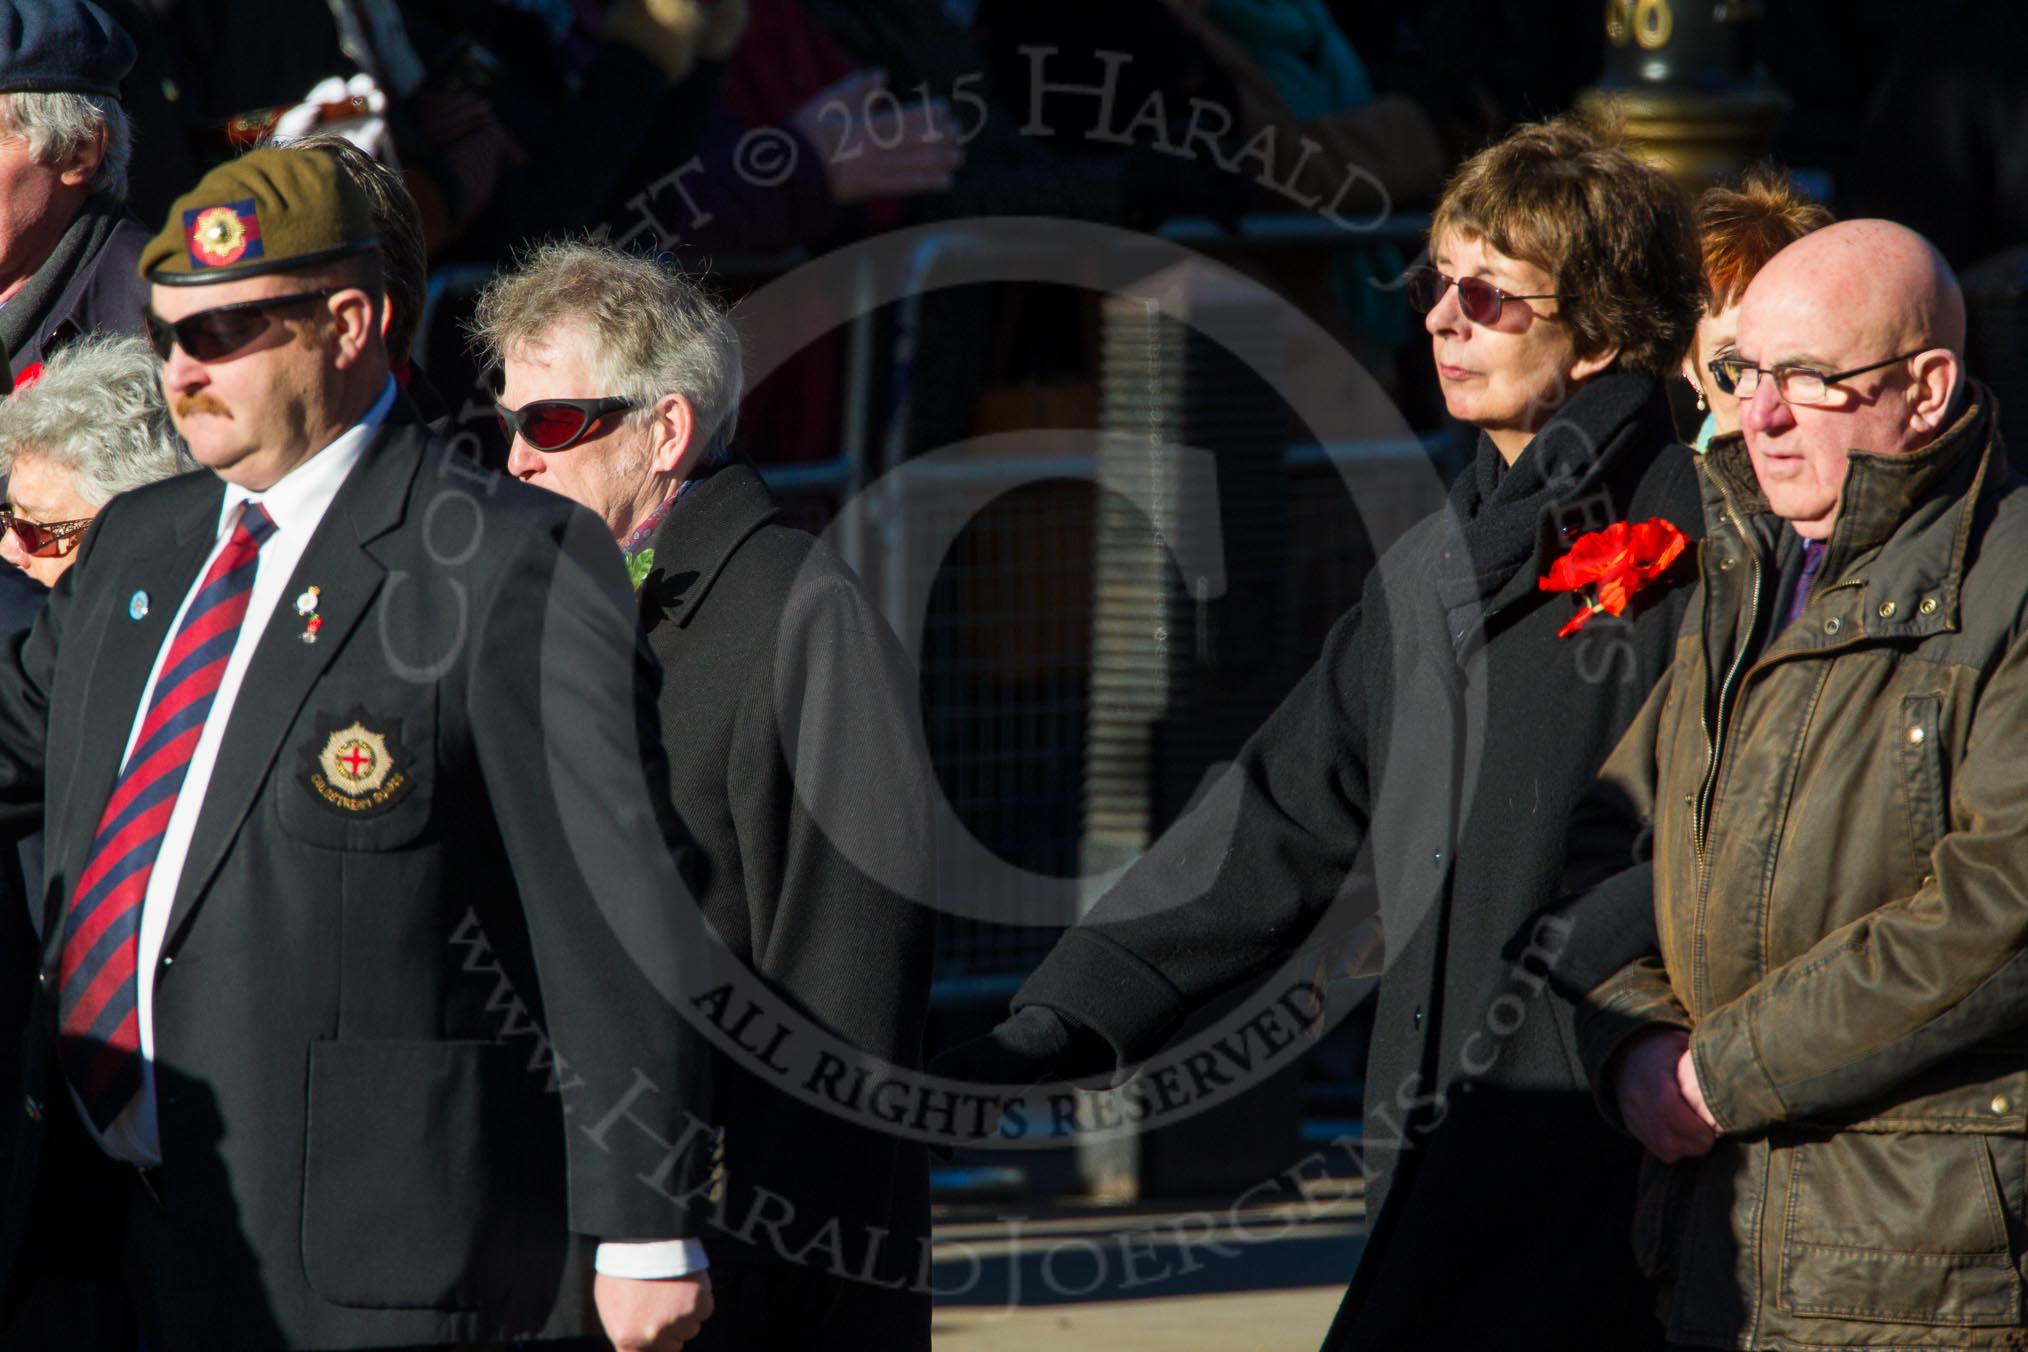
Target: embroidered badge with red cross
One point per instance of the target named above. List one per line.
(355, 764)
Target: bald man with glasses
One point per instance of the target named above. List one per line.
(1825, 1049)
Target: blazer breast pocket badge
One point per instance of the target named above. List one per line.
(357, 765)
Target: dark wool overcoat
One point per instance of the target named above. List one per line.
(1423, 772)
(791, 720)
(103, 295)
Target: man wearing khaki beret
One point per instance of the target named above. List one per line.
(356, 1017)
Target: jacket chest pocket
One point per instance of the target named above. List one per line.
(1919, 752)
(359, 769)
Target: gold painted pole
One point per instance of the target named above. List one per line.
(1683, 75)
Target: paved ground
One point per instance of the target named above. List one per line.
(1202, 1277)
(1271, 1321)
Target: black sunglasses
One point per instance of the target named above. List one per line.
(217, 333)
(557, 424)
(1479, 299)
(39, 539)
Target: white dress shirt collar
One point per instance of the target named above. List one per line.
(305, 491)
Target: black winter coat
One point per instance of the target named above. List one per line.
(103, 296)
(791, 720)
(1427, 776)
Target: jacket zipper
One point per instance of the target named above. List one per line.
(1714, 740)
(1714, 731)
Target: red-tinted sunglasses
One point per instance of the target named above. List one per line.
(39, 539)
(1479, 299)
(217, 333)
(557, 424)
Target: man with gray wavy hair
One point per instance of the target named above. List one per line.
(785, 700)
(68, 247)
(664, 358)
(92, 426)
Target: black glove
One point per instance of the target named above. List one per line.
(1034, 1044)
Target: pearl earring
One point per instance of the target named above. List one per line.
(1700, 396)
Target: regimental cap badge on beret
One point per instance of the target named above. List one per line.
(220, 236)
(270, 210)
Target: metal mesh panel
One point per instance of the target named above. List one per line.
(1005, 680)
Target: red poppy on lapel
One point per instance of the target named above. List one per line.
(1610, 565)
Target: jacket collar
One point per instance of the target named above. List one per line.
(1904, 521)
(373, 497)
(699, 536)
(1604, 439)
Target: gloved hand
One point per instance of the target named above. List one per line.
(356, 109)
(1035, 1044)
(876, 147)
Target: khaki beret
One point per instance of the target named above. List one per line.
(270, 210)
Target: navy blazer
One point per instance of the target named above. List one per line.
(415, 1049)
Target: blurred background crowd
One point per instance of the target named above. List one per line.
(517, 119)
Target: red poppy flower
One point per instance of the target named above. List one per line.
(1610, 565)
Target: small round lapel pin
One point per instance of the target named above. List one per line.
(137, 605)
(306, 606)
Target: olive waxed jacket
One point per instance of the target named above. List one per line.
(1837, 819)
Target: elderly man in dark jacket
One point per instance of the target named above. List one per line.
(68, 247)
(790, 717)
(1828, 1054)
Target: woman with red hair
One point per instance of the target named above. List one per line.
(1739, 228)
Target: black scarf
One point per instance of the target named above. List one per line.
(1499, 508)
(31, 308)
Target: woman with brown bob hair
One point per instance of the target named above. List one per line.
(1595, 257)
(1419, 779)
(1739, 228)
(1562, 291)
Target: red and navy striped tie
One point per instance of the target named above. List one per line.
(98, 1002)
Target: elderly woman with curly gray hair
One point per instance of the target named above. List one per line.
(90, 427)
